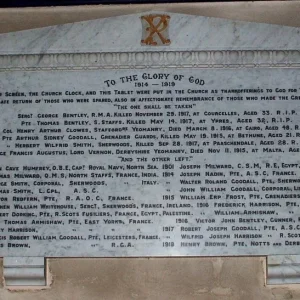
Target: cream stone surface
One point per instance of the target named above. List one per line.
(160, 278)
(275, 12)
(163, 279)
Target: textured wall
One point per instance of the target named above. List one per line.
(157, 279)
(161, 278)
(276, 12)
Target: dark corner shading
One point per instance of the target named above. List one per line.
(31, 3)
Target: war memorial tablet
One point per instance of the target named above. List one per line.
(150, 135)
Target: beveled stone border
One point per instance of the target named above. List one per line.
(149, 59)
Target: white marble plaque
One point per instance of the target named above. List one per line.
(150, 135)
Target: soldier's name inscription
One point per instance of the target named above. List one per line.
(150, 163)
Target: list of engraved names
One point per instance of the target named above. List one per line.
(149, 163)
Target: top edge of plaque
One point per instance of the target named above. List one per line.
(151, 31)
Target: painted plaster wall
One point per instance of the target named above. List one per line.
(238, 278)
(161, 279)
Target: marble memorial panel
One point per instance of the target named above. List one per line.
(150, 135)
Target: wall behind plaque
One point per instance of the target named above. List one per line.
(232, 278)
